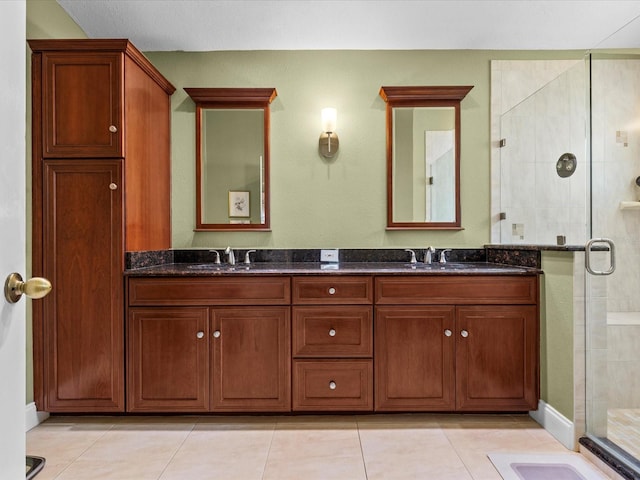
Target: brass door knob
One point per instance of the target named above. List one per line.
(15, 287)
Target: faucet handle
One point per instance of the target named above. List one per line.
(247, 259)
(443, 257)
(413, 255)
(217, 260)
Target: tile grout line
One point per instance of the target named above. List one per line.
(364, 463)
(453, 447)
(177, 450)
(266, 460)
(111, 425)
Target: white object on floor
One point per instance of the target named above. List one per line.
(518, 466)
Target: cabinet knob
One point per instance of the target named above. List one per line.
(332, 291)
(200, 334)
(464, 333)
(332, 385)
(113, 186)
(216, 334)
(113, 129)
(447, 333)
(332, 332)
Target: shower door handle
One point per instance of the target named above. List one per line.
(612, 256)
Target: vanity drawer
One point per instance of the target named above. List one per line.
(344, 331)
(457, 289)
(333, 385)
(209, 291)
(354, 290)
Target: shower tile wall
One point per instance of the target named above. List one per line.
(616, 164)
(539, 108)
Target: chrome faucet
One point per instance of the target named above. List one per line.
(217, 260)
(443, 257)
(247, 259)
(413, 255)
(428, 255)
(230, 256)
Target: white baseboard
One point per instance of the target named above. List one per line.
(556, 424)
(33, 417)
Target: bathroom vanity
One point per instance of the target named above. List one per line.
(365, 337)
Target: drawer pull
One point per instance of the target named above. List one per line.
(200, 334)
(216, 334)
(447, 333)
(332, 385)
(332, 291)
(113, 129)
(332, 332)
(113, 186)
(464, 333)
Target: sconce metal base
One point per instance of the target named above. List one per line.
(328, 144)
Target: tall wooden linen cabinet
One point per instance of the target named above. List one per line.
(101, 186)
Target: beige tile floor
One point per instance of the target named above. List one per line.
(354, 447)
(624, 429)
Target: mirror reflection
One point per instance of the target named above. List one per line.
(232, 166)
(232, 157)
(423, 156)
(424, 164)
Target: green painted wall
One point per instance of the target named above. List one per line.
(45, 19)
(556, 332)
(315, 203)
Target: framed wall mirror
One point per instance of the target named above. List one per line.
(423, 156)
(232, 157)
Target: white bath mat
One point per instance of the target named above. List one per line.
(559, 466)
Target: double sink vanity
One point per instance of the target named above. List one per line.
(372, 333)
(304, 336)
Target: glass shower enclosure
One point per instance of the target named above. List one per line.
(570, 172)
(613, 301)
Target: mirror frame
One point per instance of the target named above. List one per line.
(232, 98)
(423, 96)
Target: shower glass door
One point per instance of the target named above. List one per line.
(613, 301)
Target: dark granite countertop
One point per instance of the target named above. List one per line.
(344, 268)
(540, 248)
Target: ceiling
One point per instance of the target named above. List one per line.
(213, 25)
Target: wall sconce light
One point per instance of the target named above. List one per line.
(329, 143)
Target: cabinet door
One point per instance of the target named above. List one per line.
(168, 359)
(83, 258)
(414, 357)
(251, 349)
(497, 358)
(82, 109)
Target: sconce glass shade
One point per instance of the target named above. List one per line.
(329, 116)
(329, 143)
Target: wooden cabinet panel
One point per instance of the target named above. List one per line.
(497, 358)
(333, 385)
(82, 105)
(325, 290)
(83, 257)
(168, 359)
(250, 359)
(344, 331)
(223, 290)
(414, 358)
(456, 290)
(80, 91)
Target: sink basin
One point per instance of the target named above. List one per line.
(207, 266)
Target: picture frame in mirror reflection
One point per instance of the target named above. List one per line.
(239, 204)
